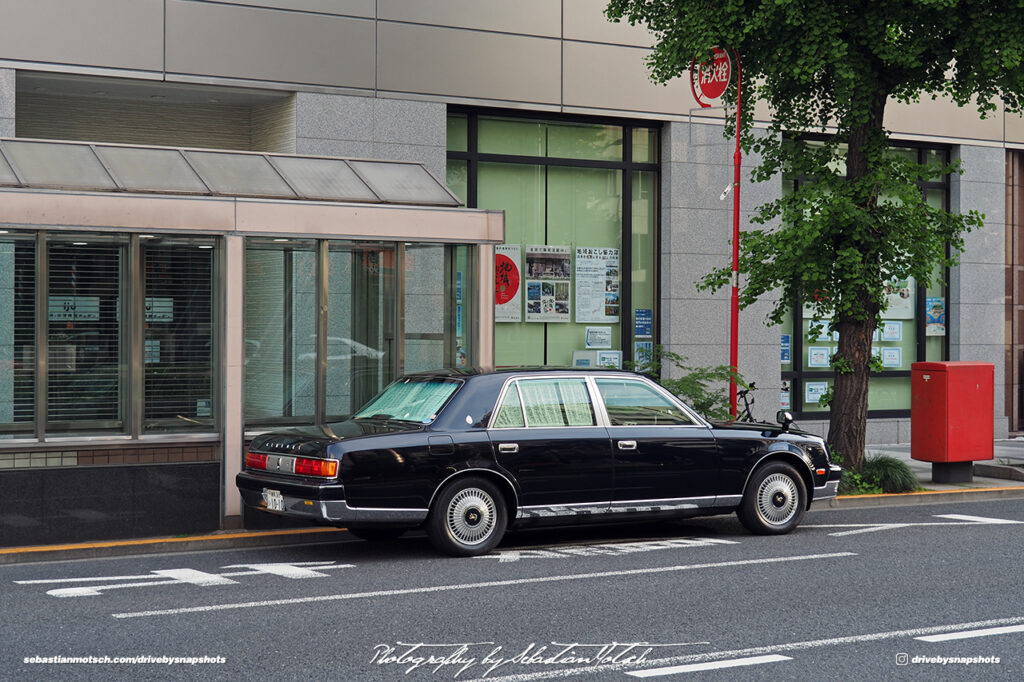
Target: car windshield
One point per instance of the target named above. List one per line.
(410, 400)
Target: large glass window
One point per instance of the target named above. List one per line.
(17, 334)
(280, 329)
(361, 340)
(178, 348)
(913, 328)
(86, 349)
(562, 295)
(322, 321)
(122, 328)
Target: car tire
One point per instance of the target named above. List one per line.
(373, 534)
(775, 500)
(468, 517)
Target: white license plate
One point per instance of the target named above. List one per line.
(274, 500)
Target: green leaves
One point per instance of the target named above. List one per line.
(853, 213)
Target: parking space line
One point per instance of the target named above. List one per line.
(470, 586)
(714, 665)
(969, 634)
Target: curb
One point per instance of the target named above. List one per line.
(213, 541)
(925, 497)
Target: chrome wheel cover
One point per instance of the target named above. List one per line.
(471, 516)
(777, 499)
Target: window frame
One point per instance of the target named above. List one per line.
(473, 157)
(131, 332)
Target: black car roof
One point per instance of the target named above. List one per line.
(453, 373)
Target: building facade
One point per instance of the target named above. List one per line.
(221, 217)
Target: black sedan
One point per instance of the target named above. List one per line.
(466, 454)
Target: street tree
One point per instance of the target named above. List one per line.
(827, 71)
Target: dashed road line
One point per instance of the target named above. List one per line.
(970, 634)
(714, 665)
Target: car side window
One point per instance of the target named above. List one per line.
(510, 412)
(634, 403)
(556, 402)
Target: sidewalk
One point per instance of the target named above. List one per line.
(993, 479)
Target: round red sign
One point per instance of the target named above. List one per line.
(506, 279)
(711, 77)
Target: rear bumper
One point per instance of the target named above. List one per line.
(322, 504)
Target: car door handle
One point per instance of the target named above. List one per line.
(508, 448)
(627, 445)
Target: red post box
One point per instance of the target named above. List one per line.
(951, 417)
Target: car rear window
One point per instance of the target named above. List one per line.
(409, 400)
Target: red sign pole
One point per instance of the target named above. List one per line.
(709, 80)
(734, 323)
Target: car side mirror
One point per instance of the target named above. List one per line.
(784, 417)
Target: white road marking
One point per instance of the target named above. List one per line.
(756, 651)
(976, 519)
(470, 586)
(187, 576)
(970, 634)
(604, 549)
(714, 665)
(956, 520)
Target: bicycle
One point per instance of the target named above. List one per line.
(745, 415)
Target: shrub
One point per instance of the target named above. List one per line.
(892, 475)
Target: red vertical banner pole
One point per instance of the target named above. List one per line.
(734, 322)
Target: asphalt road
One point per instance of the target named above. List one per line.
(852, 594)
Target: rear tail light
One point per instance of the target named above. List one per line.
(302, 466)
(255, 460)
(328, 468)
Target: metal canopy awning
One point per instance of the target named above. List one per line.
(48, 164)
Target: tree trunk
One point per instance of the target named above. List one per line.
(847, 433)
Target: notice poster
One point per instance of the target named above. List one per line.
(643, 323)
(597, 284)
(548, 275)
(935, 316)
(900, 296)
(814, 390)
(643, 352)
(508, 290)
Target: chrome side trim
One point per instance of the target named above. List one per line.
(625, 507)
(827, 491)
(338, 511)
(728, 500)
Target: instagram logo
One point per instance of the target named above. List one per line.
(902, 659)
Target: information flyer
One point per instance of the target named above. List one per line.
(935, 316)
(597, 284)
(900, 295)
(548, 276)
(508, 290)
